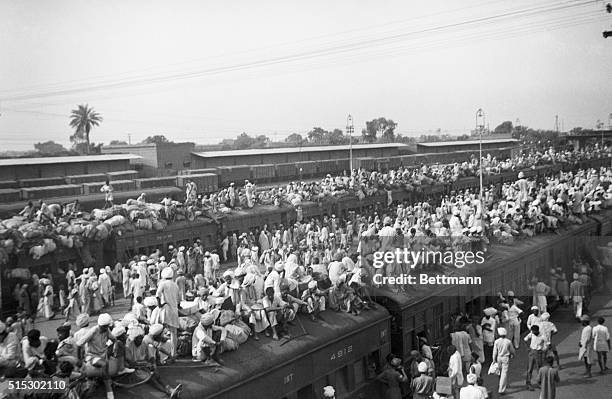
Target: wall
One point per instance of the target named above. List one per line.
(61, 169)
(303, 156)
(157, 159)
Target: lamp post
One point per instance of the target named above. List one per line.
(480, 118)
(349, 131)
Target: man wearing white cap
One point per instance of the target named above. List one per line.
(274, 277)
(96, 340)
(329, 392)
(105, 284)
(471, 391)
(423, 385)
(489, 325)
(548, 329)
(203, 344)
(503, 350)
(514, 323)
(315, 300)
(168, 297)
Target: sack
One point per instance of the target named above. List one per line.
(494, 369)
(444, 386)
(236, 333)
(226, 317)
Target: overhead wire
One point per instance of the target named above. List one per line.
(309, 54)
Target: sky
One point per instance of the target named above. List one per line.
(203, 71)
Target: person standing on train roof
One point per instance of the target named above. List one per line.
(601, 344)
(586, 344)
(576, 292)
(503, 351)
(107, 189)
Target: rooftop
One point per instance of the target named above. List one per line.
(468, 142)
(57, 160)
(290, 150)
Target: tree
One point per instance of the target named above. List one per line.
(336, 137)
(503, 128)
(317, 135)
(379, 128)
(295, 139)
(82, 120)
(157, 139)
(50, 148)
(118, 142)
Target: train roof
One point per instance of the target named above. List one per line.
(291, 150)
(467, 142)
(255, 359)
(61, 160)
(499, 255)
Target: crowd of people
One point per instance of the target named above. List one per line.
(186, 302)
(487, 344)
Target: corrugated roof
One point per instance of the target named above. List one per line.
(56, 160)
(467, 142)
(291, 150)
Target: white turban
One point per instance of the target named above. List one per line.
(167, 273)
(105, 319)
(329, 391)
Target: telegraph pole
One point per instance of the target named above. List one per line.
(557, 123)
(480, 124)
(349, 131)
(608, 33)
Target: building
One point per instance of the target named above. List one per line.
(580, 140)
(467, 145)
(213, 159)
(35, 168)
(157, 159)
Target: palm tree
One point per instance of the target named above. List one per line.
(82, 120)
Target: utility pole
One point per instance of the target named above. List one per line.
(608, 33)
(129, 139)
(557, 123)
(480, 124)
(349, 131)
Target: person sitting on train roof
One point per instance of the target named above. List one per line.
(208, 339)
(9, 354)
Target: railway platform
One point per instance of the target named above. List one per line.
(573, 384)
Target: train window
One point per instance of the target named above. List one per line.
(168, 165)
(360, 372)
(438, 321)
(341, 384)
(187, 164)
(306, 393)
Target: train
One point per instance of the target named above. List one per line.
(346, 351)
(123, 245)
(343, 350)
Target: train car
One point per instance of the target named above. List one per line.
(424, 311)
(125, 246)
(341, 351)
